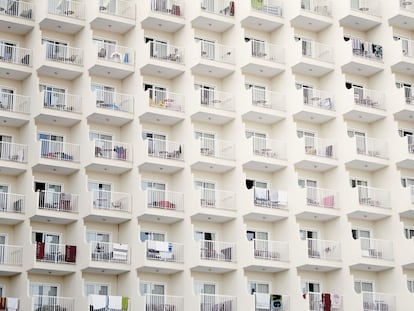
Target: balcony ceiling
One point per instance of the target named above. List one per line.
(62, 24)
(10, 25)
(165, 23)
(311, 22)
(402, 20)
(212, 22)
(262, 22)
(359, 21)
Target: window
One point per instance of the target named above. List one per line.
(410, 285)
(363, 286)
(49, 194)
(8, 51)
(6, 98)
(151, 236)
(207, 192)
(156, 143)
(51, 145)
(50, 290)
(364, 235)
(409, 232)
(157, 94)
(146, 288)
(258, 94)
(106, 48)
(258, 287)
(94, 236)
(307, 91)
(259, 235)
(311, 287)
(258, 47)
(309, 138)
(207, 47)
(204, 236)
(207, 142)
(102, 193)
(204, 288)
(56, 50)
(259, 141)
(97, 289)
(158, 48)
(308, 234)
(207, 93)
(54, 97)
(105, 95)
(5, 147)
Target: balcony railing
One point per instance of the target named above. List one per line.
(369, 98)
(279, 302)
(53, 303)
(268, 148)
(271, 7)
(57, 150)
(110, 252)
(366, 49)
(268, 99)
(322, 7)
(113, 150)
(112, 303)
(166, 52)
(173, 7)
(165, 199)
(408, 93)
(318, 99)
(165, 149)
(325, 301)
(114, 101)
(68, 8)
(14, 103)
(55, 253)
(217, 100)
(271, 250)
(63, 54)
(374, 197)
(12, 202)
(164, 302)
(165, 251)
(325, 198)
(221, 149)
(15, 55)
(166, 100)
(115, 53)
(217, 250)
(62, 101)
(378, 302)
(221, 7)
(111, 200)
(11, 255)
(371, 7)
(217, 52)
(323, 249)
(320, 147)
(372, 147)
(217, 302)
(268, 51)
(120, 8)
(21, 9)
(217, 199)
(272, 198)
(13, 152)
(374, 248)
(318, 51)
(58, 201)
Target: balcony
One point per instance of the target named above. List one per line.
(402, 14)
(273, 256)
(108, 258)
(112, 60)
(15, 62)
(61, 61)
(264, 15)
(215, 60)
(59, 259)
(56, 207)
(15, 109)
(317, 302)
(372, 204)
(403, 104)
(209, 302)
(12, 208)
(312, 58)
(163, 302)
(53, 303)
(58, 108)
(375, 255)
(95, 301)
(264, 301)
(404, 62)
(64, 16)
(13, 158)
(162, 15)
(162, 257)
(316, 106)
(115, 16)
(373, 301)
(313, 15)
(362, 15)
(214, 15)
(56, 156)
(264, 59)
(407, 152)
(11, 260)
(366, 153)
(320, 204)
(163, 156)
(269, 205)
(323, 256)
(163, 60)
(215, 257)
(18, 15)
(163, 206)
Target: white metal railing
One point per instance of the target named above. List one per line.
(172, 7)
(58, 150)
(13, 152)
(267, 51)
(216, 148)
(271, 302)
(115, 53)
(165, 199)
(409, 95)
(218, 199)
(411, 193)
(374, 248)
(62, 101)
(325, 198)
(21, 9)
(63, 53)
(216, 99)
(121, 8)
(165, 251)
(53, 303)
(165, 149)
(318, 51)
(217, 250)
(371, 7)
(270, 197)
(217, 302)
(374, 197)
(318, 99)
(410, 143)
(322, 7)
(268, 148)
(113, 150)
(110, 252)
(373, 301)
(318, 303)
(166, 100)
(407, 47)
(217, 52)
(69, 8)
(164, 302)
(369, 98)
(112, 303)
(320, 147)
(55, 253)
(324, 249)
(369, 50)
(271, 250)
(111, 200)
(268, 99)
(373, 147)
(407, 5)
(14, 103)
(12, 202)
(58, 201)
(11, 255)
(15, 55)
(221, 7)
(166, 52)
(114, 101)
(272, 7)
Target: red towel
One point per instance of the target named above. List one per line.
(2, 303)
(326, 300)
(231, 8)
(70, 255)
(40, 250)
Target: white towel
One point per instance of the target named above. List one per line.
(274, 196)
(262, 301)
(151, 244)
(260, 194)
(115, 302)
(120, 251)
(98, 301)
(336, 301)
(283, 197)
(12, 304)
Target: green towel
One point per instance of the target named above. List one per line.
(125, 301)
(257, 4)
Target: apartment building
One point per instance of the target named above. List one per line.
(211, 155)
